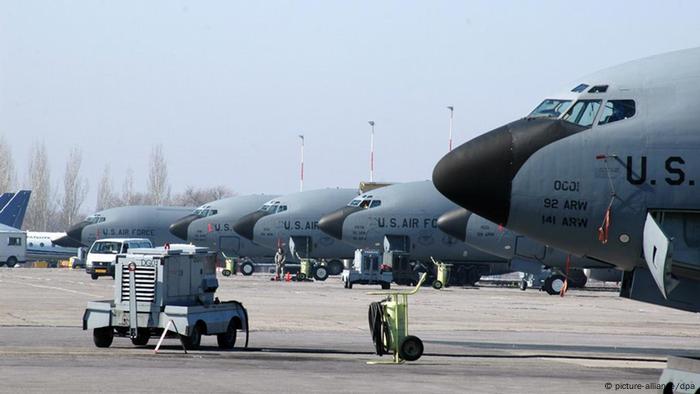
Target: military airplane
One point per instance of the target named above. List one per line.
(291, 222)
(211, 226)
(138, 221)
(403, 217)
(607, 170)
(502, 242)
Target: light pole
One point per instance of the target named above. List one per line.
(452, 110)
(371, 152)
(301, 180)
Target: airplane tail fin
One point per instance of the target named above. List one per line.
(13, 213)
(5, 198)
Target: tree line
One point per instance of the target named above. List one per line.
(56, 208)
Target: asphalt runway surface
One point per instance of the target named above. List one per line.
(314, 337)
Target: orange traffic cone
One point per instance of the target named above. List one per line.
(288, 277)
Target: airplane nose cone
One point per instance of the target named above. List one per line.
(67, 242)
(245, 226)
(179, 228)
(75, 233)
(478, 174)
(332, 224)
(454, 223)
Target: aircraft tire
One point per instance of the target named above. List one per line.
(335, 267)
(321, 273)
(553, 284)
(247, 268)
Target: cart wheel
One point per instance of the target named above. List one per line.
(321, 273)
(247, 268)
(227, 339)
(301, 276)
(437, 285)
(386, 286)
(523, 285)
(142, 337)
(93, 276)
(193, 340)
(411, 348)
(103, 336)
(226, 273)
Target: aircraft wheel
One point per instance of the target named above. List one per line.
(411, 348)
(227, 340)
(321, 273)
(437, 285)
(554, 284)
(335, 267)
(247, 268)
(103, 336)
(142, 337)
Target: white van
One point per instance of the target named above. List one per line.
(13, 246)
(103, 254)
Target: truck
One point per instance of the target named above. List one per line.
(102, 255)
(166, 291)
(13, 246)
(367, 269)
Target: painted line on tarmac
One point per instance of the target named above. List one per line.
(54, 288)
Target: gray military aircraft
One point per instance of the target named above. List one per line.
(137, 221)
(606, 170)
(521, 250)
(291, 222)
(211, 226)
(403, 217)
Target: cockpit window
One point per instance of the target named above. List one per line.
(273, 207)
(583, 112)
(92, 219)
(550, 108)
(598, 89)
(365, 201)
(205, 211)
(579, 88)
(615, 110)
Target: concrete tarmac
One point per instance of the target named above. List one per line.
(313, 337)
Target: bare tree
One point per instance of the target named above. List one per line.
(74, 189)
(7, 167)
(194, 197)
(129, 196)
(158, 188)
(105, 194)
(40, 208)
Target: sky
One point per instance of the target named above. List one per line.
(227, 86)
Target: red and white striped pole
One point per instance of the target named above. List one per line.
(371, 152)
(452, 109)
(301, 180)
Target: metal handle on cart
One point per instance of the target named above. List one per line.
(412, 292)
